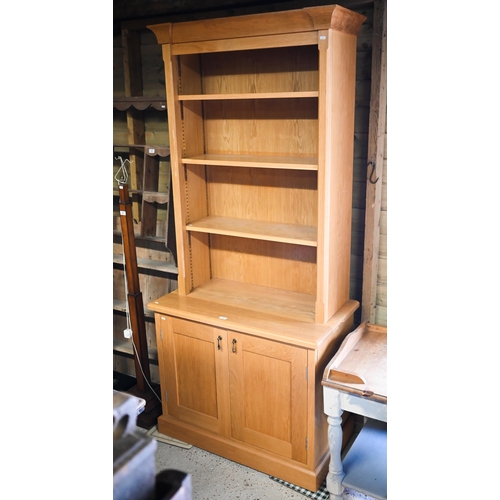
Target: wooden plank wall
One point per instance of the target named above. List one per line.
(374, 292)
(362, 114)
(381, 295)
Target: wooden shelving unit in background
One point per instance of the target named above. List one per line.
(149, 187)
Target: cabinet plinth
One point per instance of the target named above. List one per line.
(261, 124)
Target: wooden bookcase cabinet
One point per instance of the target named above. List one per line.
(261, 123)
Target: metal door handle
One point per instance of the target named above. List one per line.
(234, 345)
(219, 338)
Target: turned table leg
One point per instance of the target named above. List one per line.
(334, 418)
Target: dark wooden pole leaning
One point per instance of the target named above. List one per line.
(134, 297)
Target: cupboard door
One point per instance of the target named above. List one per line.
(268, 387)
(196, 374)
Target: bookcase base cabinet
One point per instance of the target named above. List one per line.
(253, 398)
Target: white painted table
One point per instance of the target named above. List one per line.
(355, 380)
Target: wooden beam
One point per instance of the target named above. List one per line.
(134, 295)
(132, 67)
(377, 127)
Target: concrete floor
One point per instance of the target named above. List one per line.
(216, 478)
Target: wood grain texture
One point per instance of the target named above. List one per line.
(258, 230)
(261, 311)
(345, 377)
(292, 21)
(196, 381)
(179, 192)
(261, 194)
(363, 353)
(282, 303)
(270, 72)
(285, 162)
(263, 372)
(376, 151)
(307, 476)
(269, 127)
(255, 95)
(271, 264)
(268, 386)
(198, 375)
(336, 102)
(254, 42)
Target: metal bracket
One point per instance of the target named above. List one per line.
(370, 177)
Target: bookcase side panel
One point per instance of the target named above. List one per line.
(340, 142)
(193, 143)
(177, 168)
(335, 174)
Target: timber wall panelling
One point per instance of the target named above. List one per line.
(374, 296)
(140, 134)
(362, 113)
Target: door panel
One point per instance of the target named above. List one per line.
(196, 381)
(197, 384)
(268, 389)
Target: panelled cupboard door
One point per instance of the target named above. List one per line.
(196, 381)
(268, 386)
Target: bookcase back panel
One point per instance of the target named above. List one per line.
(287, 69)
(189, 74)
(279, 265)
(262, 126)
(263, 194)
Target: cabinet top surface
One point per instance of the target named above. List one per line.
(249, 314)
(333, 17)
(360, 365)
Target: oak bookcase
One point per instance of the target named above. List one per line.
(261, 123)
